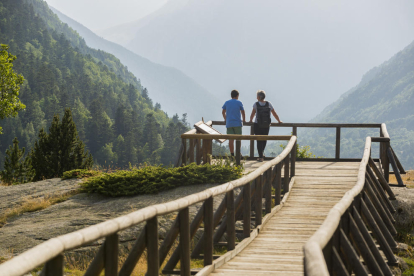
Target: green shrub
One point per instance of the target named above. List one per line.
(154, 179)
(303, 151)
(80, 173)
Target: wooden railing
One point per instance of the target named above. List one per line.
(241, 197)
(343, 245)
(387, 155)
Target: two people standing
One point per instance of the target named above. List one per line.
(233, 110)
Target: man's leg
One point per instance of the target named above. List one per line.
(231, 146)
(230, 130)
(265, 132)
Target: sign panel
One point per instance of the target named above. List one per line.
(206, 129)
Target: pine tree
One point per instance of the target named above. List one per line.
(16, 168)
(59, 151)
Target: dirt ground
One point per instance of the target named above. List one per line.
(407, 178)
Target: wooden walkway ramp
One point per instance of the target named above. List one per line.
(278, 249)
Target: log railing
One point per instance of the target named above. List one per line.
(241, 198)
(344, 244)
(387, 155)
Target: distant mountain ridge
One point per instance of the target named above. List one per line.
(384, 95)
(176, 92)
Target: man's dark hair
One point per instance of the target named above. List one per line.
(234, 94)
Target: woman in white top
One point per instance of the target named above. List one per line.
(262, 109)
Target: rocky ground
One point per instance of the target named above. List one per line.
(404, 216)
(29, 229)
(82, 210)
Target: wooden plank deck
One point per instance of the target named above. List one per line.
(277, 250)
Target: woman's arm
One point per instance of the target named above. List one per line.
(252, 115)
(276, 117)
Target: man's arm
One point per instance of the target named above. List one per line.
(224, 114)
(243, 115)
(276, 117)
(252, 115)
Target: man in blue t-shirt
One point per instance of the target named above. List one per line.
(232, 109)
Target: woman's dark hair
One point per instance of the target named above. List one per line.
(234, 94)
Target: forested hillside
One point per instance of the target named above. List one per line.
(384, 95)
(112, 111)
(168, 86)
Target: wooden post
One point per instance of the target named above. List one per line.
(111, 255)
(380, 147)
(184, 142)
(153, 262)
(208, 231)
(286, 175)
(278, 183)
(293, 152)
(191, 150)
(205, 151)
(394, 167)
(268, 191)
(231, 221)
(132, 258)
(364, 249)
(184, 242)
(238, 154)
(199, 154)
(352, 255)
(370, 242)
(385, 160)
(252, 142)
(246, 210)
(338, 143)
(382, 235)
(54, 267)
(258, 200)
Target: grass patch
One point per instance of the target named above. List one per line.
(33, 205)
(410, 270)
(154, 179)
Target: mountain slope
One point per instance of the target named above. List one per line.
(168, 86)
(384, 95)
(113, 113)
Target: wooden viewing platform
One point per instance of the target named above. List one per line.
(286, 216)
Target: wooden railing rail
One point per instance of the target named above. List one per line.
(200, 145)
(253, 188)
(387, 154)
(338, 246)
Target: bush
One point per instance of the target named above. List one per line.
(154, 179)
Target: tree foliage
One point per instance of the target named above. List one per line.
(10, 83)
(17, 169)
(59, 150)
(110, 107)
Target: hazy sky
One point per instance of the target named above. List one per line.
(102, 14)
(312, 50)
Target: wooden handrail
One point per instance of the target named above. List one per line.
(236, 137)
(366, 204)
(314, 260)
(321, 125)
(52, 248)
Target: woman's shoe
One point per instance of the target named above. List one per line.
(260, 159)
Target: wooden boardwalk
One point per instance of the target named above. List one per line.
(278, 249)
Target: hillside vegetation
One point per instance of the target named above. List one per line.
(110, 107)
(384, 95)
(170, 87)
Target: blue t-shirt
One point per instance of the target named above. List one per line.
(233, 115)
